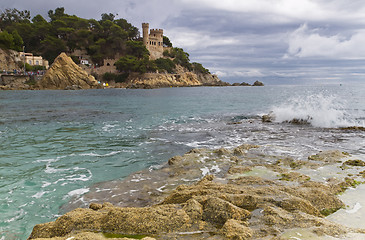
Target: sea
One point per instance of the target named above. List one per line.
(55, 145)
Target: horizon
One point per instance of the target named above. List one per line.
(284, 42)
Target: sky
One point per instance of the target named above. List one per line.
(273, 41)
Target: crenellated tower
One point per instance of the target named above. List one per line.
(153, 41)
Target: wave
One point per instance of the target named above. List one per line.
(317, 110)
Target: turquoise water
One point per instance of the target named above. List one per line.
(54, 145)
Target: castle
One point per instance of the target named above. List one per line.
(153, 41)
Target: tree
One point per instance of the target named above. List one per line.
(127, 63)
(137, 49)
(9, 17)
(57, 14)
(166, 42)
(165, 64)
(107, 17)
(6, 40)
(131, 63)
(51, 47)
(198, 68)
(181, 58)
(17, 41)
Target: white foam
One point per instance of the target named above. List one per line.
(216, 169)
(46, 184)
(356, 208)
(78, 192)
(99, 155)
(205, 170)
(318, 110)
(38, 194)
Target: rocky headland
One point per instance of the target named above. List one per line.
(227, 193)
(65, 74)
(181, 78)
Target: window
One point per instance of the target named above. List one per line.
(30, 62)
(108, 64)
(37, 62)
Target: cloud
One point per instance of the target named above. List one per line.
(308, 43)
(274, 40)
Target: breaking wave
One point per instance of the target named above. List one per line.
(317, 110)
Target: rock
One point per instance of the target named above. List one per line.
(8, 60)
(93, 236)
(95, 206)
(65, 74)
(330, 156)
(226, 207)
(234, 229)
(245, 84)
(356, 162)
(218, 211)
(355, 128)
(268, 117)
(257, 83)
(182, 78)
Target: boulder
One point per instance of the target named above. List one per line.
(65, 74)
(257, 83)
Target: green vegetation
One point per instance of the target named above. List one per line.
(165, 64)
(108, 77)
(166, 42)
(328, 211)
(198, 68)
(101, 39)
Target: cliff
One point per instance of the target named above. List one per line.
(181, 78)
(65, 74)
(8, 60)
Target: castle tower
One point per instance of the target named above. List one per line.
(145, 27)
(153, 41)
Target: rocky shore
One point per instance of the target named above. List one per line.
(64, 74)
(227, 193)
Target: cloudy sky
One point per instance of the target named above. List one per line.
(274, 41)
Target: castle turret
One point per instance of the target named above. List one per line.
(153, 41)
(145, 27)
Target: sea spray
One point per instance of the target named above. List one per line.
(318, 110)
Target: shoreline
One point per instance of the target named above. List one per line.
(237, 193)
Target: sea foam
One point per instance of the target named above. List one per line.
(318, 110)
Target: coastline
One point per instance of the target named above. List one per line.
(237, 193)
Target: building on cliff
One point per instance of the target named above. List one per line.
(153, 41)
(33, 60)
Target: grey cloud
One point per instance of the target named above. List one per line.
(241, 44)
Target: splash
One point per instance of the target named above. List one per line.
(318, 110)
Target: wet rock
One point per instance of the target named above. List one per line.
(237, 230)
(242, 207)
(218, 211)
(355, 128)
(242, 149)
(174, 160)
(95, 206)
(222, 151)
(92, 236)
(330, 156)
(267, 118)
(355, 163)
(301, 121)
(194, 209)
